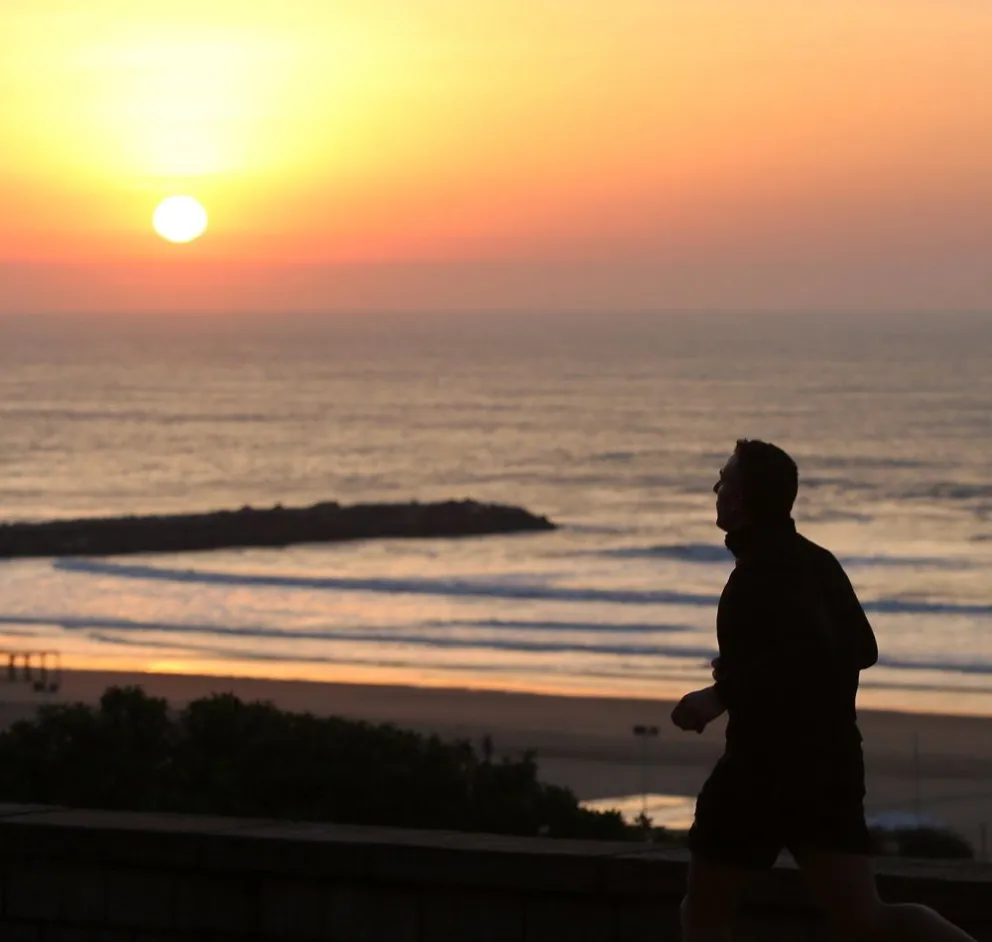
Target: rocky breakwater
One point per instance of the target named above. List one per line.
(276, 526)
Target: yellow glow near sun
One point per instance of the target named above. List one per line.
(338, 125)
(180, 219)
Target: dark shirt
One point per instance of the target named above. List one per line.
(793, 638)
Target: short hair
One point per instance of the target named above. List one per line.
(769, 479)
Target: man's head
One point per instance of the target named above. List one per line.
(758, 484)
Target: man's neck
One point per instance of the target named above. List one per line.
(753, 536)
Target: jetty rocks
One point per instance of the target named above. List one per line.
(277, 526)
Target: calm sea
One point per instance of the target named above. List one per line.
(615, 427)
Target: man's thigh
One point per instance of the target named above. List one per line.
(739, 821)
(827, 813)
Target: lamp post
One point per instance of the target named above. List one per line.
(645, 733)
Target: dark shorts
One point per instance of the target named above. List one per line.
(748, 812)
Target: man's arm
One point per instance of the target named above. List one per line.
(849, 609)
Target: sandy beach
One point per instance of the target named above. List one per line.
(939, 765)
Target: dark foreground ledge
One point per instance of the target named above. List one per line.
(124, 877)
(278, 526)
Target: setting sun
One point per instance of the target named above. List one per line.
(640, 155)
(180, 219)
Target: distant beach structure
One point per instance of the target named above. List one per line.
(41, 670)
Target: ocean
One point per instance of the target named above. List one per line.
(615, 427)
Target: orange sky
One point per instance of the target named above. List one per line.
(497, 154)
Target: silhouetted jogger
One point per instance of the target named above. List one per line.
(793, 639)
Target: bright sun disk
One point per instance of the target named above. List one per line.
(180, 219)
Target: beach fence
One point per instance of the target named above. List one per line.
(39, 670)
(926, 809)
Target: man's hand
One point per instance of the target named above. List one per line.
(715, 664)
(698, 709)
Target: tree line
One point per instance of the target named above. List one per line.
(221, 756)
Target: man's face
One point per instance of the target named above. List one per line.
(729, 496)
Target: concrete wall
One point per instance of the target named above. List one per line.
(92, 876)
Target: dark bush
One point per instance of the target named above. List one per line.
(222, 756)
(927, 843)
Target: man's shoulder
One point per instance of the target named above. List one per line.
(816, 553)
(826, 568)
(789, 569)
